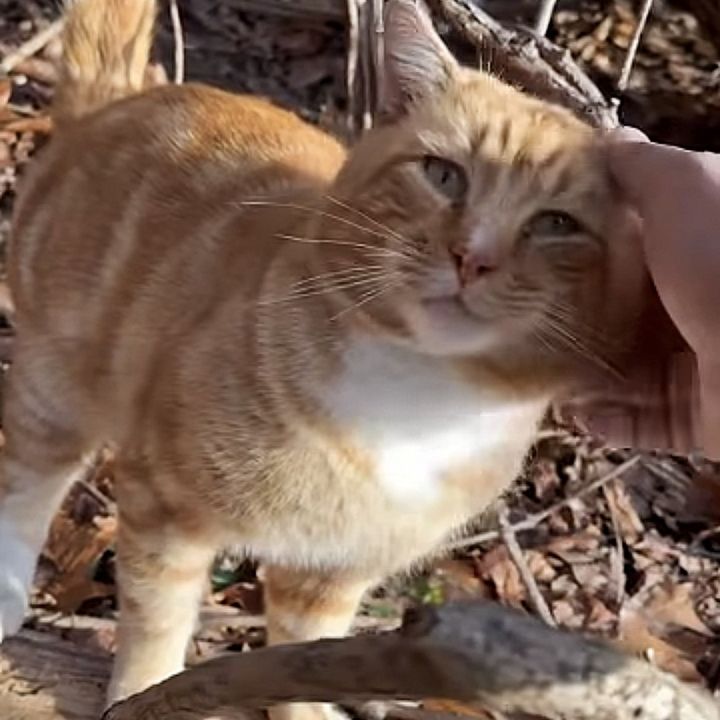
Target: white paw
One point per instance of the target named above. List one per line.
(17, 567)
(13, 605)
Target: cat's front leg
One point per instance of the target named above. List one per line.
(306, 605)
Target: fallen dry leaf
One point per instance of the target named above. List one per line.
(651, 621)
(5, 91)
(74, 549)
(498, 567)
(41, 124)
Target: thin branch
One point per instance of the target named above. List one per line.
(351, 68)
(378, 51)
(367, 62)
(179, 42)
(536, 599)
(532, 521)
(31, 47)
(629, 61)
(544, 16)
(617, 563)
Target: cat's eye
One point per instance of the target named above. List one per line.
(553, 223)
(446, 177)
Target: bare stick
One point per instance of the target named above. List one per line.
(629, 61)
(532, 521)
(544, 16)
(617, 564)
(351, 69)
(516, 553)
(367, 62)
(179, 43)
(480, 654)
(34, 45)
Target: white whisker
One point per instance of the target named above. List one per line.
(347, 273)
(315, 211)
(382, 226)
(330, 287)
(366, 298)
(380, 252)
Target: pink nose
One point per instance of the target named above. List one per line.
(471, 265)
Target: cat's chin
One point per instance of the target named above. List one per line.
(445, 326)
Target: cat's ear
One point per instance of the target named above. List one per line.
(417, 63)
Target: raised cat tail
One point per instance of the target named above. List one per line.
(106, 52)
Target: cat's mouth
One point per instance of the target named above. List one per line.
(451, 306)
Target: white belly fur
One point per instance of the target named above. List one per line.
(419, 419)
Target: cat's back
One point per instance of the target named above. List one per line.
(118, 190)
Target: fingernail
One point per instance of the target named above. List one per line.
(628, 134)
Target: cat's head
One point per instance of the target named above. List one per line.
(485, 219)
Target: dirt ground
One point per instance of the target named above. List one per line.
(635, 559)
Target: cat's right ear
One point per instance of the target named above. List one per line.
(417, 63)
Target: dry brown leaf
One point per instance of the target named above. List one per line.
(672, 604)
(498, 567)
(74, 549)
(5, 91)
(243, 595)
(651, 621)
(630, 526)
(459, 581)
(539, 566)
(41, 124)
(599, 618)
(637, 637)
(455, 707)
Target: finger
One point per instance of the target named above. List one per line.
(645, 171)
(627, 134)
(709, 419)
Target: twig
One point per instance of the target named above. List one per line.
(629, 61)
(179, 42)
(532, 521)
(536, 599)
(544, 16)
(367, 61)
(618, 563)
(351, 69)
(378, 50)
(479, 654)
(32, 46)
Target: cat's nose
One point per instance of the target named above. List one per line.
(471, 265)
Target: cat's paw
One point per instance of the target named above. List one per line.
(17, 565)
(13, 606)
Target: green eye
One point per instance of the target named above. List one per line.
(553, 223)
(446, 177)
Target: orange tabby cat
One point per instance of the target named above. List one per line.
(333, 360)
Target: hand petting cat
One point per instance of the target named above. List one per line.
(669, 396)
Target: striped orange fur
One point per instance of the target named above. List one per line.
(333, 359)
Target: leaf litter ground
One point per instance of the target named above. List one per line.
(636, 561)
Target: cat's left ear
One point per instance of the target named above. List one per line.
(417, 62)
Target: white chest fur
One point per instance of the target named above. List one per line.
(419, 419)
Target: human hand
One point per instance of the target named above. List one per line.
(670, 396)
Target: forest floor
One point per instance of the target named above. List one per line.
(621, 545)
